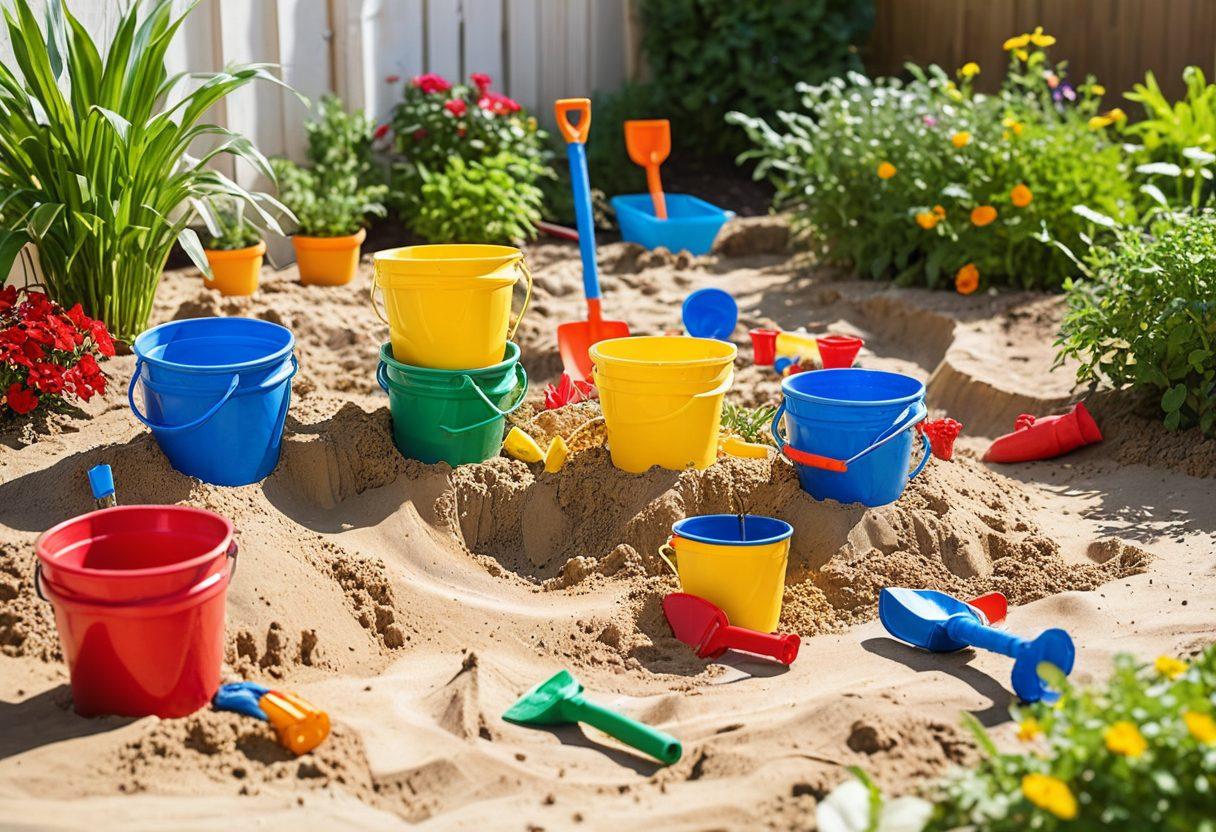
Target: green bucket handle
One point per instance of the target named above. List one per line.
(918, 414)
(521, 382)
(722, 387)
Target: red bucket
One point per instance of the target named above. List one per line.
(838, 351)
(155, 654)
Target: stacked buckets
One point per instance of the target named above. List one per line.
(450, 370)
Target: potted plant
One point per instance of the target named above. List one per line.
(234, 249)
(331, 198)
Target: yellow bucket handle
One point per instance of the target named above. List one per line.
(722, 387)
(668, 548)
(376, 306)
(522, 266)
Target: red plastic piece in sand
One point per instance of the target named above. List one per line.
(567, 391)
(941, 433)
(1045, 438)
(764, 346)
(838, 351)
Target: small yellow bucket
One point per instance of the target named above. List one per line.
(449, 306)
(738, 565)
(662, 399)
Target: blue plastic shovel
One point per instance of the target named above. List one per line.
(940, 623)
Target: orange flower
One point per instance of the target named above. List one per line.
(1020, 196)
(927, 220)
(939, 212)
(967, 280)
(961, 139)
(886, 170)
(983, 215)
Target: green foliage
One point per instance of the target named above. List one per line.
(1147, 317)
(95, 168)
(608, 163)
(231, 229)
(332, 197)
(751, 423)
(490, 200)
(1136, 753)
(1178, 141)
(713, 56)
(903, 179)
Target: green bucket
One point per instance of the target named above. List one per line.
(453, 416)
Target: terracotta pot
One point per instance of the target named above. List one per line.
(328, 261)
(235, 271)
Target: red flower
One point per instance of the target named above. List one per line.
(456, 107)
(105, 344)
(420, 134)
(65, 336)
(8, 298)
(38, 333)
(392, 79)
(481, 81)
(79, 320)
(21, 400)
(431, 83)
(46, 377)
(381, 131)
(567, 392)
(498, 104)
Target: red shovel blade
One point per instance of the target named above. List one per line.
(993, 606)
(705, 628)
(575, 340)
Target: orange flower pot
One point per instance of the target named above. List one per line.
(328, 261)
(235, 271)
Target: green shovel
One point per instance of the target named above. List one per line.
(559, 701)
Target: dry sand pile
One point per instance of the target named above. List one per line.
(416, 602)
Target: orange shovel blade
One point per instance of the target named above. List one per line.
(575, 340)
(648, 141)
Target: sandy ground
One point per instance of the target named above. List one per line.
(416, 603)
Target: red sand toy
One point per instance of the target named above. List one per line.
(764, 346)
(1045, 438)
(705, 628)
(941, 433)
(299, 725)
(837, 351)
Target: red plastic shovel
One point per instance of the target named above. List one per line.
(705, 628)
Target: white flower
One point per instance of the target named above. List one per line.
(847, 809)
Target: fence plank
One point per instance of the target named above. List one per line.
(523, 62)
(483, 38)
(304, 42)
(443, 44)
(607, 69)
(249, 32)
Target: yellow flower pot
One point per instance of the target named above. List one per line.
(235, 271)
(328, 261)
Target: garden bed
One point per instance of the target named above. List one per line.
(415, 603)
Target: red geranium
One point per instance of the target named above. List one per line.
(381, 132)
(481, 81)
(431, 83)
(498, 104)
(22, 401)
(456, 107)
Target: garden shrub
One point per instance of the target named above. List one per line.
(332, 197)
(1145, 318)
(713, 56)
(438, 121)
(1177, 142)
(488, 200)
(930, 182)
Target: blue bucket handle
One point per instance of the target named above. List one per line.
(521, 381)
(201, 420)
(917, 413)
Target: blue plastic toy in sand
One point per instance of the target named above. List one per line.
(216, 392)
(691, 224)
(851, 433)
(940, 623)
(710, 313)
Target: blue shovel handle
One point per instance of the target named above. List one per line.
(1052, 646)
(580, 183)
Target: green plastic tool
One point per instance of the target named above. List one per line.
(559, 700)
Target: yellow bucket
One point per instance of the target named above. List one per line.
(449, 306)
(738, 567)
(662, 399)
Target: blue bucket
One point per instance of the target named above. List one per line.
(851, 433)
(710, 313)
(216, 392)
(691, 224)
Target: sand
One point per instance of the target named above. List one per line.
(416, 602)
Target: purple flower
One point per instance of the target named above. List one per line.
(929, 121)
(1064, 92)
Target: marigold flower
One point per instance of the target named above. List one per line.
(969, 70)
(1097, 89)
(1041, 40)
(1021, 54)
(983, 215)
(1018, 42)
(1020, 196)
(1125, 738)
(927, 220)
(1028, 729)
(1050, 794)
(967, 279)
(961, 139)
(1107, 119)
(1170, 667)
(939, 211)
(1011, 123)
(1201, 726)
(886, 170)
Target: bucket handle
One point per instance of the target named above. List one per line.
(722, 387)
(668, 551)
(521, 381)
(519, 264)
(231, 554)
(827, 463)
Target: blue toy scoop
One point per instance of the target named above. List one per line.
(941, 623)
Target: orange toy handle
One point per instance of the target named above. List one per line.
(300, 725)
(655, 186)
(573, 133)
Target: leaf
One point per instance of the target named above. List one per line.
(1160, 169)
(1174, 398)
(11, 243)
(194, 248)
(1094, 217)
(1153, 192)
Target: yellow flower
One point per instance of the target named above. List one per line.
(926, 220)
(1028, 729)
(969, 70)
(886, 170)
(939, 212)
(1201, 726)
(961, 139)
(1019, 42)
(1020, 196)
(1011, 123)
(1098, 122)
(1021, 54)
(983, 215)
(1117, 115)
(1125, 738)
(953, 92)
(1041, 40)
(1170, 667)
(967, 279)
(1051, 794)
(1097, 89)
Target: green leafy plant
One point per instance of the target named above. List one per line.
(930, 182)
(332, 197)
(1146, 319)
(1178, 142)
(95, 164)
(490, 200)
(230, 229)
(750, 423)
(713, 56)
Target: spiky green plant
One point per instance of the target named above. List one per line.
(95, 168)
(751, 423)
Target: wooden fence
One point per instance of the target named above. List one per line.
(1115, 40)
